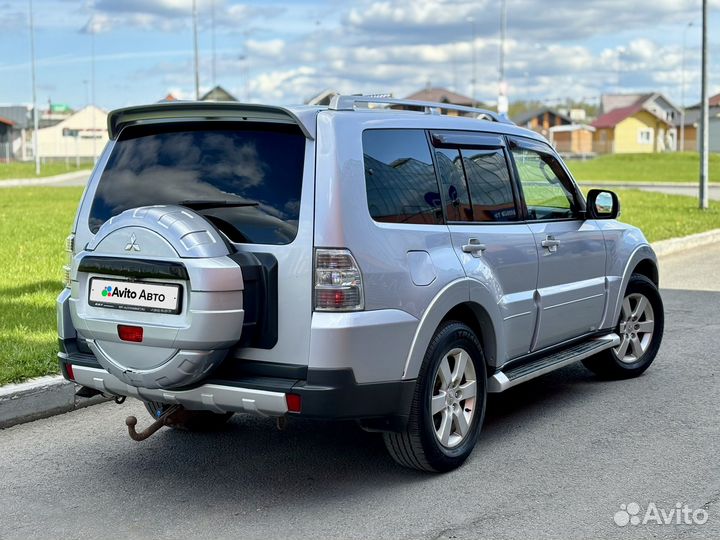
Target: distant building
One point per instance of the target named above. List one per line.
(541, 120)
(692, 126)
(15, 126)
(572, 139)
(218, 94)
(82, 134)
(636, 123)
(440, 95)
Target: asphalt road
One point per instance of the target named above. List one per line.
(557, 458)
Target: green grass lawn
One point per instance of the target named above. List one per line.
(27, 170)
(34, 223)
(36, 220)
(667, 167)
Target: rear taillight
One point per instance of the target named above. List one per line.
(130, 333)
(69, 250)
(338, 282)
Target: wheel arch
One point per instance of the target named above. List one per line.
(648, 268)
(641, 261)
(466, 301)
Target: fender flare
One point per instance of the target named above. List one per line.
(641, 253)
(460, 291)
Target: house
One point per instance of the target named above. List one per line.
(541, 120)
(15, 127)
(691, 119)
(440, 95)
(82, 134)
(635, 123)
(572, 139)
(218, 94)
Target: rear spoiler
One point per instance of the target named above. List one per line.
(201, 110)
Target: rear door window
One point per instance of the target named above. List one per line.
(400, 177)
(244, 178)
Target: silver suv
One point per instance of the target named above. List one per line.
(380, 260)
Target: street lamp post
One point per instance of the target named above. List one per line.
(502, 106)
(34, 92)
(195, 48)
(704, 113)
(682, 89)
(471, 20)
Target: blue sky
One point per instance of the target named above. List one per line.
(286, 51)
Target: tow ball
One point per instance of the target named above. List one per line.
(165, 419)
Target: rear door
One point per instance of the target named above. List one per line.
(494, 247)
(571, 279)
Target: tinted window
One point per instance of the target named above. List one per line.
(452, 181)
(400, 177)
(546, 187)
(489, 183)
(255, 166)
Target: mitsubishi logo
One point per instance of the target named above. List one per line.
(132, 244)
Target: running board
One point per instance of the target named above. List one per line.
(501, 381)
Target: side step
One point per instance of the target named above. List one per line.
(501, 381)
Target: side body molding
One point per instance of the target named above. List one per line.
(460, 291)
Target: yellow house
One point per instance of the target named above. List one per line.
(632, 129)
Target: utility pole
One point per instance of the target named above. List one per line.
(34, 93)
(212, 36)
(682, 89)
(92, 86)
(195, 47)
(704, 115)
(502, 106)
(471, 20)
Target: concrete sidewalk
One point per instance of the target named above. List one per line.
(75, 178)
(688, 189)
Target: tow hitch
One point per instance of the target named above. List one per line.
(164, 420)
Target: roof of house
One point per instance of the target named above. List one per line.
(692, 116)
(713, 101)
(525, 117)
(615, 116)
(322, 98)
(218, 94)
(441, 95)
(6, 121)
(571, 127)
(18, 114)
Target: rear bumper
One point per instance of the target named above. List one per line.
(324, 393)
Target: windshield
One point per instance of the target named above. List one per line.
(246, 178)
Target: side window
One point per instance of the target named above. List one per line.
(452, 183)
(489, 183)
(546, 187)
(400, 177)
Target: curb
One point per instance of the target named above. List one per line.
(630, 185)
(48, 180)
(664, 248)
(40, 398)
(51, 395)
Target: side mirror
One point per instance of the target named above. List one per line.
(602, 204)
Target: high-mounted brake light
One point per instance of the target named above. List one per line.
(130, 333)
(338, 282)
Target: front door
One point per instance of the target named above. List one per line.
(571, 289)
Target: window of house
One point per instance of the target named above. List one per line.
(645, 136)
(400, 178)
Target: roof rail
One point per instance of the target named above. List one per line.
(348, 103)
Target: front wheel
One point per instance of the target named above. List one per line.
(448, 406)
(189, 420)
(640, 328)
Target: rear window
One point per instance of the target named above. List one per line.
(400, 177)
(245, 178)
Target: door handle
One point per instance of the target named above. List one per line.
(550, 243)
(474, 246)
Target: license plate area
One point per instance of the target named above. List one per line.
(130, 295)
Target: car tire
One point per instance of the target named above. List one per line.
(189, 420)
(640, 328)
(448, 405)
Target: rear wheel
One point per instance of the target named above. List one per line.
(640, 329)
(448, 406)
(189, 420)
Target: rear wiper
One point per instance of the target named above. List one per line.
(204, 205)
